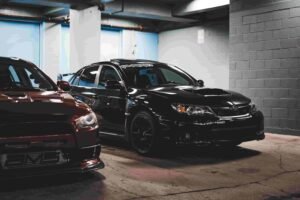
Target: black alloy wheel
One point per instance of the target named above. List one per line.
(143, 133)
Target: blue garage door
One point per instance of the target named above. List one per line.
(147, 45)
(111, 44)
(20, 39)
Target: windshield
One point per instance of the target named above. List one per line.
(22, 78)
(148, 75)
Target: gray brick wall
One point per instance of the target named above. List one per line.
(265, 59)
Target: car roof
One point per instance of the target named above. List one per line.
(122, 62)
(136, 61)
(14, 60)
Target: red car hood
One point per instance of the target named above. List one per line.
(48, 102)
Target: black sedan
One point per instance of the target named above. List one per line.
(148, 102)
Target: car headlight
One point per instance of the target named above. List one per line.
(87, 121)
(253, 108)
(192, 109)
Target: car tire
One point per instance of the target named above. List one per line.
(143, 133)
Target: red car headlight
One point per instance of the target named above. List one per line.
(87, 121)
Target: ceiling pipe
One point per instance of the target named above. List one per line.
(134, 28)
(65, 20)
(61, 20)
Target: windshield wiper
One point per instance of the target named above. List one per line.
(169, 83)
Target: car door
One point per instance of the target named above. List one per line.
(112, 101)
(84, 85)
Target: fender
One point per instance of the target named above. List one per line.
(134, 105)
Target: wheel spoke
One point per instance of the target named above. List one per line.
(142, 134)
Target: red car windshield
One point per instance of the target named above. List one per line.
(23, 78)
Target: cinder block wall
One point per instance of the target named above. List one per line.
(265, 59)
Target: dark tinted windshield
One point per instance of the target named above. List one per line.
(22, 78)
(147, 75)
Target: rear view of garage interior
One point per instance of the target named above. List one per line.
(251, 47)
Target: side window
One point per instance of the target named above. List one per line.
(87, 78)
(14, 74)
(75, 79)
(33, 80)
(108, 73)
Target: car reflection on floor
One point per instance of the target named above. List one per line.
(265, 170)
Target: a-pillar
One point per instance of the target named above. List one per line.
(51, 44)
(85, 29)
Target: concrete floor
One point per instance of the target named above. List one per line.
(268, 169)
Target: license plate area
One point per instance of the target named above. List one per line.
(32, 159)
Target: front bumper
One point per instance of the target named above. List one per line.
(223, 130)
(53, 170)
(27, 156)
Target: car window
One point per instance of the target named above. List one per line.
(33, 80)
(172, 77)
(147, 76)
(75, 79)
(108, 73)
(19, 77)
(14, 74)
(154, 75)
(88, 77)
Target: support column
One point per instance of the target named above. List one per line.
(85, 30)
(51, 45)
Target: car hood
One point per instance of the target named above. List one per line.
(46, 103)
(198, 95)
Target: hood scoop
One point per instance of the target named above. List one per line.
(208, 92)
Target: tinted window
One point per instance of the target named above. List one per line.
(75, 78)
(149, 75)
(108, 73)
(174, 77)
(88, 77)
(18, 77)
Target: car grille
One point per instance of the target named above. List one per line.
(34, 125)
(230, 111)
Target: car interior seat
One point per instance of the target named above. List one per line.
(142, 81)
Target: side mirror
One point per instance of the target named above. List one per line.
(64, 85)
(200, 83)
(113, 85)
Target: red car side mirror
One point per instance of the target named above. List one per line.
(64, 85)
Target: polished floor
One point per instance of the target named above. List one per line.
(268, 169)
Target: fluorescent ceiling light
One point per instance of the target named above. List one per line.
(206, 4)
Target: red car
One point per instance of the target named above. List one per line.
(42, 128)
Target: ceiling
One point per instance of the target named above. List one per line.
(151, 14)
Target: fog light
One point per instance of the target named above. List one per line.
(89, 163)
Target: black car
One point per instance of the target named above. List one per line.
(43, 130)
(148, 102)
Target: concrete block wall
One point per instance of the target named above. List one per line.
(207, 60)
(265, 59)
